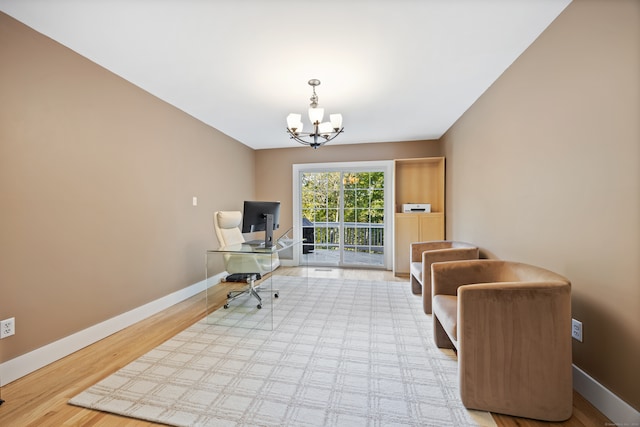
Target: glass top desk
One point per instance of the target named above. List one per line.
(243, 282)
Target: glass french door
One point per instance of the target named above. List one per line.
(342, 212)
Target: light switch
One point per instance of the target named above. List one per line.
(195, 201)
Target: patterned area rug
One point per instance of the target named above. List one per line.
(341, 353)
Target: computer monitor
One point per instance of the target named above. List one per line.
(261, 216)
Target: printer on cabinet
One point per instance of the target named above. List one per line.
(416, 207)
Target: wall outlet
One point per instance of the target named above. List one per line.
(7, 327)
(576, 329)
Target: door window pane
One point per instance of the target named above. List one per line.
(345, 213)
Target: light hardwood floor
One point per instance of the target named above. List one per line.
(40, 399)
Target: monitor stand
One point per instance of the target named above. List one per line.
(268, 230)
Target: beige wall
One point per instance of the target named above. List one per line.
(96, 184)
(274, 168)
(544, 168)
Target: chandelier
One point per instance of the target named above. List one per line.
(322, 132)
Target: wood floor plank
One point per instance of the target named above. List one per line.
(40, 398)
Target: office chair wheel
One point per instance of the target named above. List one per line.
(259, 305)
(226, 306)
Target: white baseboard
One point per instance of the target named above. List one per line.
(23, 365)
(617, 410)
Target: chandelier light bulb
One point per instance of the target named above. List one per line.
(294, 122)
(316, 115)
(325, 129)
(336, 121)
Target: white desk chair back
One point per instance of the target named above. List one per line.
(227, 227)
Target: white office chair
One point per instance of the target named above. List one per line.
(241, 267)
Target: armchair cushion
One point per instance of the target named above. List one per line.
(446, 307)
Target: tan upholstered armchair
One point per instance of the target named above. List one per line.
(511, 325)
(423, 254)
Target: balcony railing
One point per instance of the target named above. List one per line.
(358, 236)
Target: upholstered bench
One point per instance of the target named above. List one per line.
(511, 326)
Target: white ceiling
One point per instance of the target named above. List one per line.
(397, 70)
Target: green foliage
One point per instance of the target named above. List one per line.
(363, 194)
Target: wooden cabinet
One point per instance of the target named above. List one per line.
(413, 227)
(417, 181)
